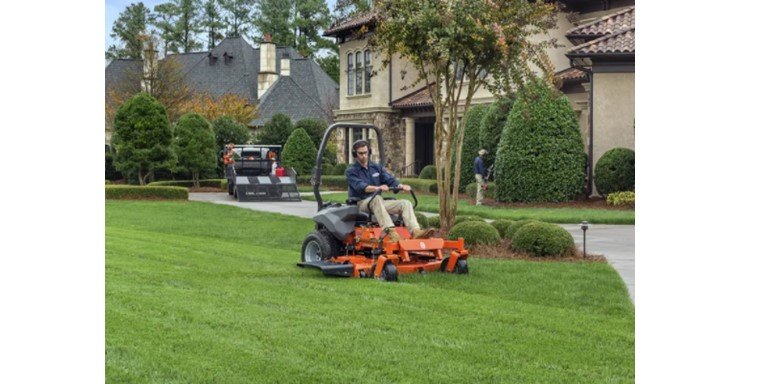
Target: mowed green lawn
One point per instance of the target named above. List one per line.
(204, 293)
(429, 203)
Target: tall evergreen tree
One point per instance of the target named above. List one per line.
(237, 16)
(273, 17)
(128, 29)
(179, 22)
(294, 23)
(212, 23)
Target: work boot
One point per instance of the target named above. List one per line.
(392, 233)
(423, 233)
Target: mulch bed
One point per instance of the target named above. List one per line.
(582, 203)
(502, 251)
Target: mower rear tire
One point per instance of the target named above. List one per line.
(389, 273)
(318, 246)
(462, 267)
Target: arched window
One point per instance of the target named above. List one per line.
(350, 75)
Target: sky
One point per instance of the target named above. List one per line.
(114, 7)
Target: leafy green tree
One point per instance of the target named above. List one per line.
(142, 138)
(541, 153)
(128, 29)
(457, 47)
(195, 145)
(330, 64)
(345, 9)
(492, 125)
(299, 152)
(237, 16)
(471, 143)
(212, 22)
(227, 130)
(276, 130)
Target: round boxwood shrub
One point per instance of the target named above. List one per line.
(501, 225)
(433, 221)
(339, 169)
(422, 219)
(615, 171)
(490, 193)
(541, 153)
(475, 232)
(542, 239)
(512, 228)
(327, 169)
(461, 219)
(428, 172)
(621, 198)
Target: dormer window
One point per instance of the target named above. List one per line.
(212, 58)
(227, 58)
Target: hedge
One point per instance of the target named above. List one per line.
(615, 171)
(422, 219)
(471, 144)
(475, 232)
(542, 239)
(502, 225)
(489, 193)
(214, 183)
(418, 185)
(132, 192)
(340, 169)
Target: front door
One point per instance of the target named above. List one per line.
(425, 144)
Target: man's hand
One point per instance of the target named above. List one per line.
(384, 188)
(405, 187)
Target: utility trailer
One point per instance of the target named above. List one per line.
(253, 177)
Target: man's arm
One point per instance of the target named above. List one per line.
(355, 182)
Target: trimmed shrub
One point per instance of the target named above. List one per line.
(615, 171)
(142, 137)
(492, 126)
(475, 233)
(489, 193)
(429, 172)
(299, 152)
(621, 198)
(327, 169)
(433, 221)
(195, 145)
(213, 183)
(314, 127)
(502, 225)
(471, 143)
(541, 153)
(340, 169)
(461, 219)
(131, 192)
(422, 219)
(512, 228)
(228, 130)
(542, 239)
(277, 131)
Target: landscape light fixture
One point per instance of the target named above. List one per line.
(584, 227)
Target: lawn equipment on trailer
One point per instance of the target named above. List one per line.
(349, 243)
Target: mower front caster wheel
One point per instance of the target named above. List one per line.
(389, 273)
(461, 268)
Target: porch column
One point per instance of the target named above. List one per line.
(350, 140)
(370, 136)
(410, 144)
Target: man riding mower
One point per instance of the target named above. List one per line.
(370, 236)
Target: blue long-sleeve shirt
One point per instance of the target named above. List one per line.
(479, 167)
(358, 178)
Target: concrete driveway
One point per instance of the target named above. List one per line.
(615, 242)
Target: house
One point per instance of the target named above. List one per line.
(278, 79)
(597, 39)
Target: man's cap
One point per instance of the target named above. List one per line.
(482, 152)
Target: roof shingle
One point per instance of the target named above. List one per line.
(618, 43)
(415, 99)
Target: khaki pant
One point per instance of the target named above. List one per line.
(383, 208)
(480, 183)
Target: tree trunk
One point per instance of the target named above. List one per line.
(141, 176)
(196, 179)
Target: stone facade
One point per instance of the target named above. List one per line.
(392, 129)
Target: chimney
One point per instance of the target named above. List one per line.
(267, 64)
(285, 65)
(150, 66)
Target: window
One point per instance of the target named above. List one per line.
(358, 73)
(350, 75)
(368, 68)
